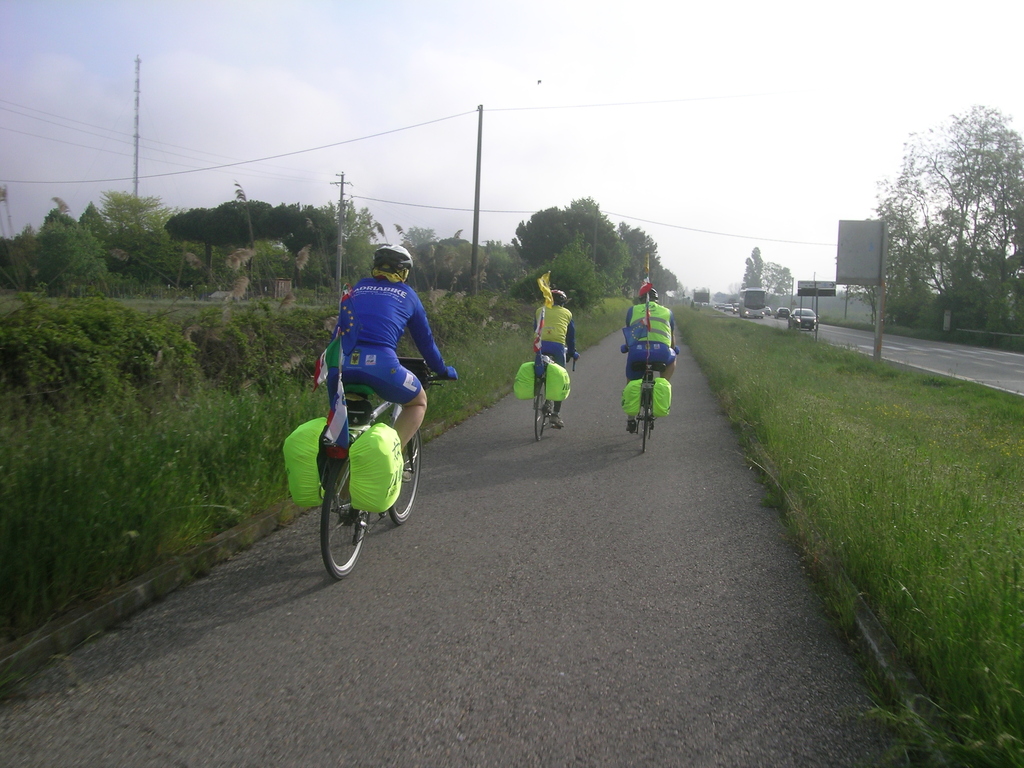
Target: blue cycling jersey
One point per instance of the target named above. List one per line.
(384, 310)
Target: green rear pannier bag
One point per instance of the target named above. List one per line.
(662, 397)
(631, 397)
(556, 382)
(523, 388)
(375, 459)
(300, 451)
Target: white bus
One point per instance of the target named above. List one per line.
(752, 302)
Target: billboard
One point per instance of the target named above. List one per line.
(861, 258)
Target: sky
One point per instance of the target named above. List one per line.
(714, 127)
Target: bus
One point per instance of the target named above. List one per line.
(752, 302)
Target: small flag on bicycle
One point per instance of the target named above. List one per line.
(544, 283)
(328, 369)
(336, 432)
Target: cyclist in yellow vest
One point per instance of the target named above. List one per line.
(657, 344)
(557, 341)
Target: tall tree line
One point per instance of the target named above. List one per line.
(955, 218)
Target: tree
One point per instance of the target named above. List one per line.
(572, 271)
(18, 258)
(132, 231)
(754, 269)
(776, 279)
(544, 235)
(954, 216)
(69, 255)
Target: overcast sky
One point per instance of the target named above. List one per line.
(715, 127)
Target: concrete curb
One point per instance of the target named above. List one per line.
(27, 654)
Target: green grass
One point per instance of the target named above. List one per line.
(914, 482)
(92, 497)
(95, 496)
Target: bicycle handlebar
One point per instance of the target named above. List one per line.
(419, 368)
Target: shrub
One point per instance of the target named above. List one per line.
(95, 348)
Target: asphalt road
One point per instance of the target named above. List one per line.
(568, 602)
(992, 367)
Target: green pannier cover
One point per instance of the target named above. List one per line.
(523, 387)
(631, 397)
(662, 397)
(300, 451)
(556, 382)
(375, 459)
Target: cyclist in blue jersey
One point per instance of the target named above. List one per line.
(557, 341)
(384, 306)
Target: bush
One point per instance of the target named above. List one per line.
(93, 349)
(572, 271)
(256, 345)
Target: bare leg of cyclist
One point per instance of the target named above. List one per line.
(411, 417)
(669, 370)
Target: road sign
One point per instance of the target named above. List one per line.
(815, 288)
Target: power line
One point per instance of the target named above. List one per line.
(607, 213)
(643, 103)
(245, 162)
(719, 234)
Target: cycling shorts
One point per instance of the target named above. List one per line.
(379, 369)
(659, 353)
(552, 349)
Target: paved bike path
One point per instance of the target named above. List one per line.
(571, 601)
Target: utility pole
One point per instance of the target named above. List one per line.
(474, 272)
(135, 177)
(341, 228)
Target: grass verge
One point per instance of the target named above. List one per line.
(913, 483)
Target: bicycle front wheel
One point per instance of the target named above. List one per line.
(341, 527)
(400, 510)
(539, 414)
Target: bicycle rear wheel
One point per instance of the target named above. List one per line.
(540, 416)
(646, 416)
(341, 527)
(400, 510)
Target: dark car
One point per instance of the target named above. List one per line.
(782, 312)
(804, 319)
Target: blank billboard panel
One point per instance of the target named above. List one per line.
(861, 252)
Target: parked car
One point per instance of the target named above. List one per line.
(782, 312)
(804, 319)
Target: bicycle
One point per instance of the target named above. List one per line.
(542, 408)
(343, 528)
(645, 416)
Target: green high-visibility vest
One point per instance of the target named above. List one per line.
(661, 322)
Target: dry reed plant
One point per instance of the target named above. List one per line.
(239, 288)
(239, 257)
(288, 301)
(118, 254)
(302, 258)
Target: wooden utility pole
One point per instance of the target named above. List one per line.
(473, 267)
(341, 229)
